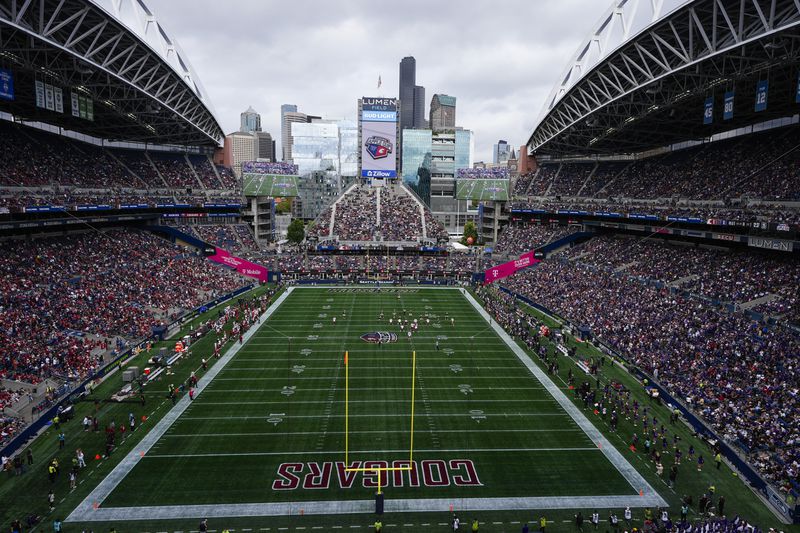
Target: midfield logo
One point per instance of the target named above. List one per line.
(378, 147)
(376, 337)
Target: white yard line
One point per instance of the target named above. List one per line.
(340, 453)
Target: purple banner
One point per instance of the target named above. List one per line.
(242, 266)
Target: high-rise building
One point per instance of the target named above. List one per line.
(289, 118)
(266, 146)
(417, 162)
(285, 108)
(419, 107)
(250, 120)
(501, 152)
(443, 112)
(325, 152)
(408, 80)
(240, 146)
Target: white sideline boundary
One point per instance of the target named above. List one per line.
(85, 511)
(91, 510)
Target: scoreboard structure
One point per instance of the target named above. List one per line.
(377, 134)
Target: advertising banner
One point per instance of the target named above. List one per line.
(7, 85)
(242, 266)
(727, 110)
(378, 137)
(708, 110)
(506, 269)
(761, 95)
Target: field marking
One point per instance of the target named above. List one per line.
(411, 505)
(631, 475)
(373, 415)
(408, 367)
(371, 378)
(341, 452)
(461, 399)
(365, 432)
(86, 512)
(218, 390)
(124, 467)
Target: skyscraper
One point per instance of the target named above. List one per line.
(419, 107)
(266, 146)
(250, 120)
(286, 130)
(408, 79)
(285, 108)
(501, 152)
(443, 112)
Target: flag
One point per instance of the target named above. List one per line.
(345, 358)
(379, 81)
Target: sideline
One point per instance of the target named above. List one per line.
(87, 509)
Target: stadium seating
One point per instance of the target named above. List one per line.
(62, 297)
(760, 165)
(736, 373)
(384, 214)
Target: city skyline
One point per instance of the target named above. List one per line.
(315, 56)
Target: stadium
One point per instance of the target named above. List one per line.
(622, 355)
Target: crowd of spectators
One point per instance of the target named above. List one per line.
(492, 173)
(268, 167)
(62, 298)
(763, 165)
(434, 229)
(517, 239)
(738, 277)
(229, 180)
(571, 178)
(175, 170)
(204, 171)
(741, 376)
(400, 215)
(355, 215)
(747, 212)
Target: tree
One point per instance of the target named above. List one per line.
(470, 231)
(295, 232)
(283, 205)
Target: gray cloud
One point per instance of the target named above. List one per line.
(500, 59)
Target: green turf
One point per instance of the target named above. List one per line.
(482, 189)
(269, 185)
(27, 493)
(520, 441)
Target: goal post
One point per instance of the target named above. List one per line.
(379, 470)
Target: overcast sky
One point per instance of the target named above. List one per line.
(499, 59)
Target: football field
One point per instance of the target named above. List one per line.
(283, 423)
(269, 185)
(482, 189)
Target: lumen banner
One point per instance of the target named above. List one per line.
(378, 137)
(506, 269)
(242, 266)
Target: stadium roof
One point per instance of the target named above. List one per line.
(641, 78)
(113, 52)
